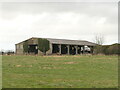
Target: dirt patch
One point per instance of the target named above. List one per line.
(23, 66)
(60, 55)
(57, 59)
(70, 63)
(46, 68)
(58, 68)
(66, 80)
(54, 56)
(102, 58)
(29, 66)
(76, 56)
(51, 68)
(18, 65)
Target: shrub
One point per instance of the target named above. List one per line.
(43, 45)
(98, 49)
(107, 49)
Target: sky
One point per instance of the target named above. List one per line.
(75, 20)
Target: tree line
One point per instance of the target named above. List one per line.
(107, 49)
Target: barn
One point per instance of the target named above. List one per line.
(56, 46)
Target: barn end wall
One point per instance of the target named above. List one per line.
(19, 48)
(33, 41)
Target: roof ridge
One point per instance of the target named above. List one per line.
(64, 41)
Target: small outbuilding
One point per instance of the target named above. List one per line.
(54, 46)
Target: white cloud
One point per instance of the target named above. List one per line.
(64, 24)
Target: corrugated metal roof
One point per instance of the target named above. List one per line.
(66, 41)
(71, 42)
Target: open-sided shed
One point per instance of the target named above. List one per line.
(56, 46)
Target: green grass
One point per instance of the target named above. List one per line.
(60, 71)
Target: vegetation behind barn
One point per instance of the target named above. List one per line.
(107, 49)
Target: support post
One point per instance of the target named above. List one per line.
(91, 50)
(68, 49)
(60, 49)
(76, 48)
(51, 48)
(80, 49)
(83, 49)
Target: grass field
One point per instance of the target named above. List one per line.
(60, 71)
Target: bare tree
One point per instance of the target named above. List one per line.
(99, 39)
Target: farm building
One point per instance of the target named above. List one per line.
(54, 46)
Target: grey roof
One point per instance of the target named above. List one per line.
(66, 41)
(70, 42)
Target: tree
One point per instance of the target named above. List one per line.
(99, 39)
(43, 45)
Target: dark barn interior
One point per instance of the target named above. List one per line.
(55, 48)
(33, 49)
(63, 49)
(72, 50)
(79, 49)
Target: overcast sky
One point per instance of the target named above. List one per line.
(62, 20)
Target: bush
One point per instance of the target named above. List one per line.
(43, 45)
(98, 49)
(113, 49)
(107, 49)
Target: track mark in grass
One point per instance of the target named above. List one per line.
(23, 66)
(42, 83)
(45, 67)
(18, 65)
(67, 80)
(70, 62)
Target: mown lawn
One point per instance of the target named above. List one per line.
(60, 71)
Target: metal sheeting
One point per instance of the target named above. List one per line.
(70, 42)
